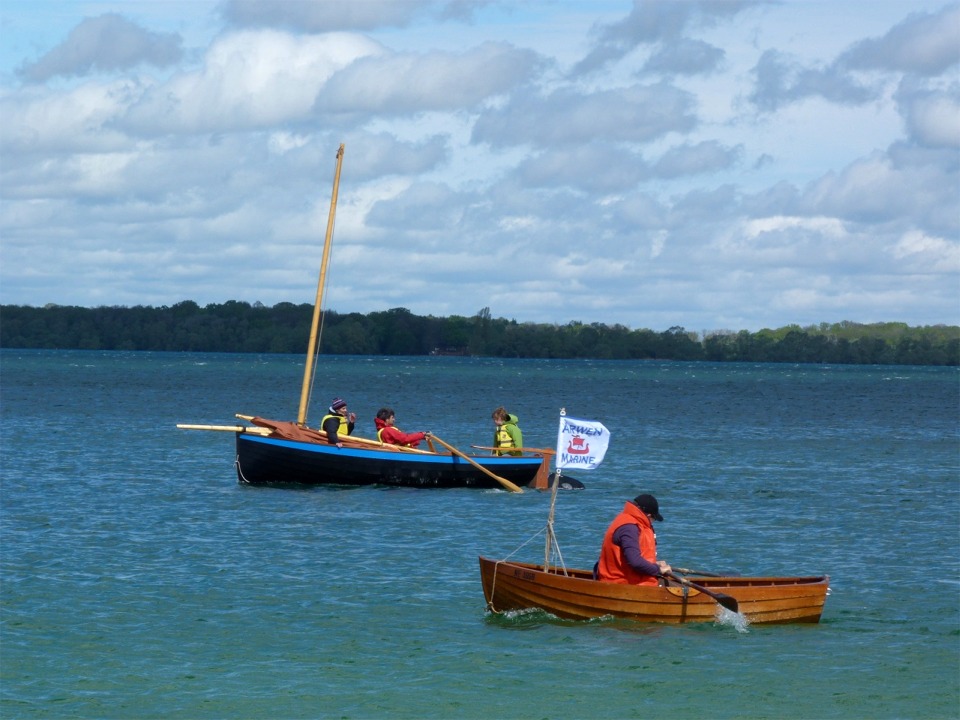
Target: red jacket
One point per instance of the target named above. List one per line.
(393, 436)
(612, 566)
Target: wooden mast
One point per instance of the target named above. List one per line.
(551, 538)
(312, 346)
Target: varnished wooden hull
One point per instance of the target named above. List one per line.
(509, 585)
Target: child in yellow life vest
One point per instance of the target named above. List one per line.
(507, 434)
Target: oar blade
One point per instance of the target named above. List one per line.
(730, 603)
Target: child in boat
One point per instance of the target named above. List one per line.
(338, 421)
(507, 434)
(389, 433)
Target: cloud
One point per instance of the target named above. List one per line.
(928, 254)
(476, 168)
(637, 113)
(411, 83)
(885, 189)
(421, 207)
(248, 80)
(39, 122)
(313, 16)
(382, 154)
(659, 21)
(595, 167)
(781, 81)
(684, 57)
(704, 157)
(323, 17)
(932, 117)
(107, 43)
(924, 44)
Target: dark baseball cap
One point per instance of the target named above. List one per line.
(649, 504)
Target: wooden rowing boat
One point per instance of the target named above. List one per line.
(575, 595)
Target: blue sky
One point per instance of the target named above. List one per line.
(712, 165)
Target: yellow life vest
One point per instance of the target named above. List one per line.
(344, 428)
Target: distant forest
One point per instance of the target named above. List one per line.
(284, 328)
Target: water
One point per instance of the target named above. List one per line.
(139, 580)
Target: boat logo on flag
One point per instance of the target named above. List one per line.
(581, 443)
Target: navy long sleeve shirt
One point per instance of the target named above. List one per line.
(628, 538)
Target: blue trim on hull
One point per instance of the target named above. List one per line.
(271, 461)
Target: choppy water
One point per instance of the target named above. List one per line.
(140, 580)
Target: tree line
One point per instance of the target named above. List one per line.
(242, 327)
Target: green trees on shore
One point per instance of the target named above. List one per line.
(241, 327)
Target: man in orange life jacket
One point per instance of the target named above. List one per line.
(629, 551)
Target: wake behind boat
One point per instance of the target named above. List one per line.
(282, 452)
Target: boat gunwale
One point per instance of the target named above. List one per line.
(729, 581)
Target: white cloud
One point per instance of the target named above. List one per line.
(319, 17)
(637, 113)
(106, 43)
(928, 254)
(933, 118)
(734, 165)
(249, 80)
(925, 43)
(403, 84)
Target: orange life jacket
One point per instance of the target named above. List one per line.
(613, 567)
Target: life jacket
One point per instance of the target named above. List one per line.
(344, 428)
(398, 437)
(612, 566)
(502, 439)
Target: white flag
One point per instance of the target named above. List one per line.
(581, 443)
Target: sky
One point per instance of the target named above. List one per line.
(716, 166)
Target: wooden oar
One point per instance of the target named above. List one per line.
(703, 573)
(503, 481)
(385, 446)
(730, 603)
(540, 451)
(226, 428)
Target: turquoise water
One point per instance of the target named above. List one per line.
(140, 580)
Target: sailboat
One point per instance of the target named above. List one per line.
(286, 452)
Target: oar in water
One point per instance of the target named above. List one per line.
(730, 603)
(503, 481)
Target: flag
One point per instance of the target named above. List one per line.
(581, 443)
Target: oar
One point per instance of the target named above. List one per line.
(687, 571)
(503, 481)
(226, 428)
(730, 603)
(383, 445)
(542, 451)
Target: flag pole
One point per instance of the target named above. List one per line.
(553, 502)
